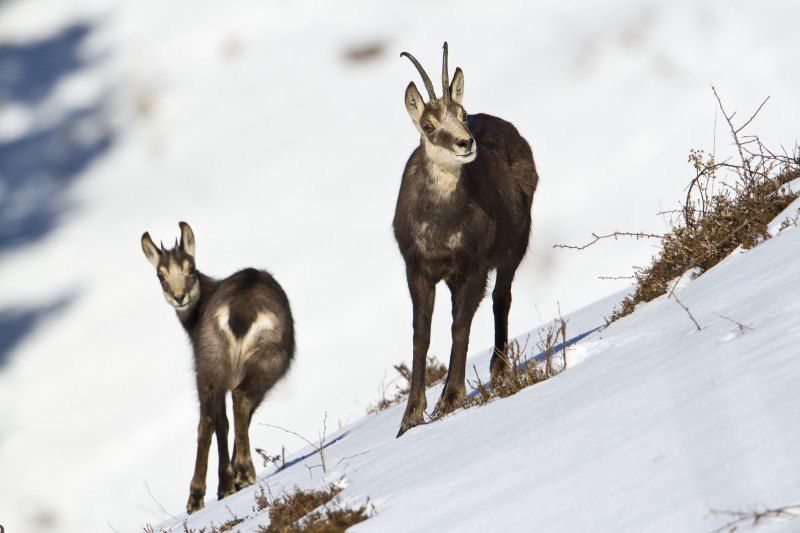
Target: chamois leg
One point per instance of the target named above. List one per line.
(205, 428)
(423, 294)
(501, 304)
(226, 477)
(246, 398)
(467, 295)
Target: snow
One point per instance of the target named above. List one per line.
(657, 426)
(245, 120)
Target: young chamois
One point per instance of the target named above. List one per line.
(464, 208)
(242, 334)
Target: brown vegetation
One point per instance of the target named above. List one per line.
(525, 372)
(314, 511)
(435, 372)
(729, 204)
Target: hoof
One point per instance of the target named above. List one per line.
(226, 491)
(195, 503)
(449, 402)
(245, 475)
(414, 415)
(405, 427)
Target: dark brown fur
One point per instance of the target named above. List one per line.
(483, 224)
(242, 297)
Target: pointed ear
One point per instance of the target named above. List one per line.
(150, 250)
(187, 238)
(457, 86)
(414, 103)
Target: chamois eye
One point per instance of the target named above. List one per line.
(192, 270)
(161, 277)
(427, 127)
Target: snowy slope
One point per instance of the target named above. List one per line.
(658, 425)
(247, 120)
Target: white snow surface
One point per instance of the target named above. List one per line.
(659, 424)
(247, 120)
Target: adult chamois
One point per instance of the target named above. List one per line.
(464, 208)
(242, 334)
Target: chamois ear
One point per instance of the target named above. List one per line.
(187, 238)
(150, 250)
(414, 103)
(457, 86)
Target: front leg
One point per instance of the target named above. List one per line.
(467, 293)
(423, 294)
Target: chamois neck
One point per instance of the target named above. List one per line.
(442, 180)
(190, 316)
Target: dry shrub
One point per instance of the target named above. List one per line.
(228, 525)
(435, 372)
(524, 372)
(736, 216)
(300, 512)
(729, 204)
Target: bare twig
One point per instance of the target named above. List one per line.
(267, 459)
(743, 126)
(350, 457)
(615, 235)
(742, 327)
(163, 510)
(687, 312)
(755, 516)
(318, 448)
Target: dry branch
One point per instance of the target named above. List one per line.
(615, 235)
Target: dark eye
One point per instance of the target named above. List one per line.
(160, 277)
(192, 270)
(427, 127)
(464, 116)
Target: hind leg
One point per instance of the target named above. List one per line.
(246, 399)
(501, 305)
(226, 477)
(244, 405)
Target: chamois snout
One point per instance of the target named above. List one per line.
(466, 145)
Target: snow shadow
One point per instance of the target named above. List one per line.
(309, 454)
(38, 168)
(29, 71)
(17, 323)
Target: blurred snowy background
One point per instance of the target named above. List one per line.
(277, 129)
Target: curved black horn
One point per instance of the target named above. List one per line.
(425, 79)
(445, 75)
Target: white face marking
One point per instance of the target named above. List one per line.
(175, 276)
(241, 350)
(444, 155)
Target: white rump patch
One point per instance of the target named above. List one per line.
(240, 350)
